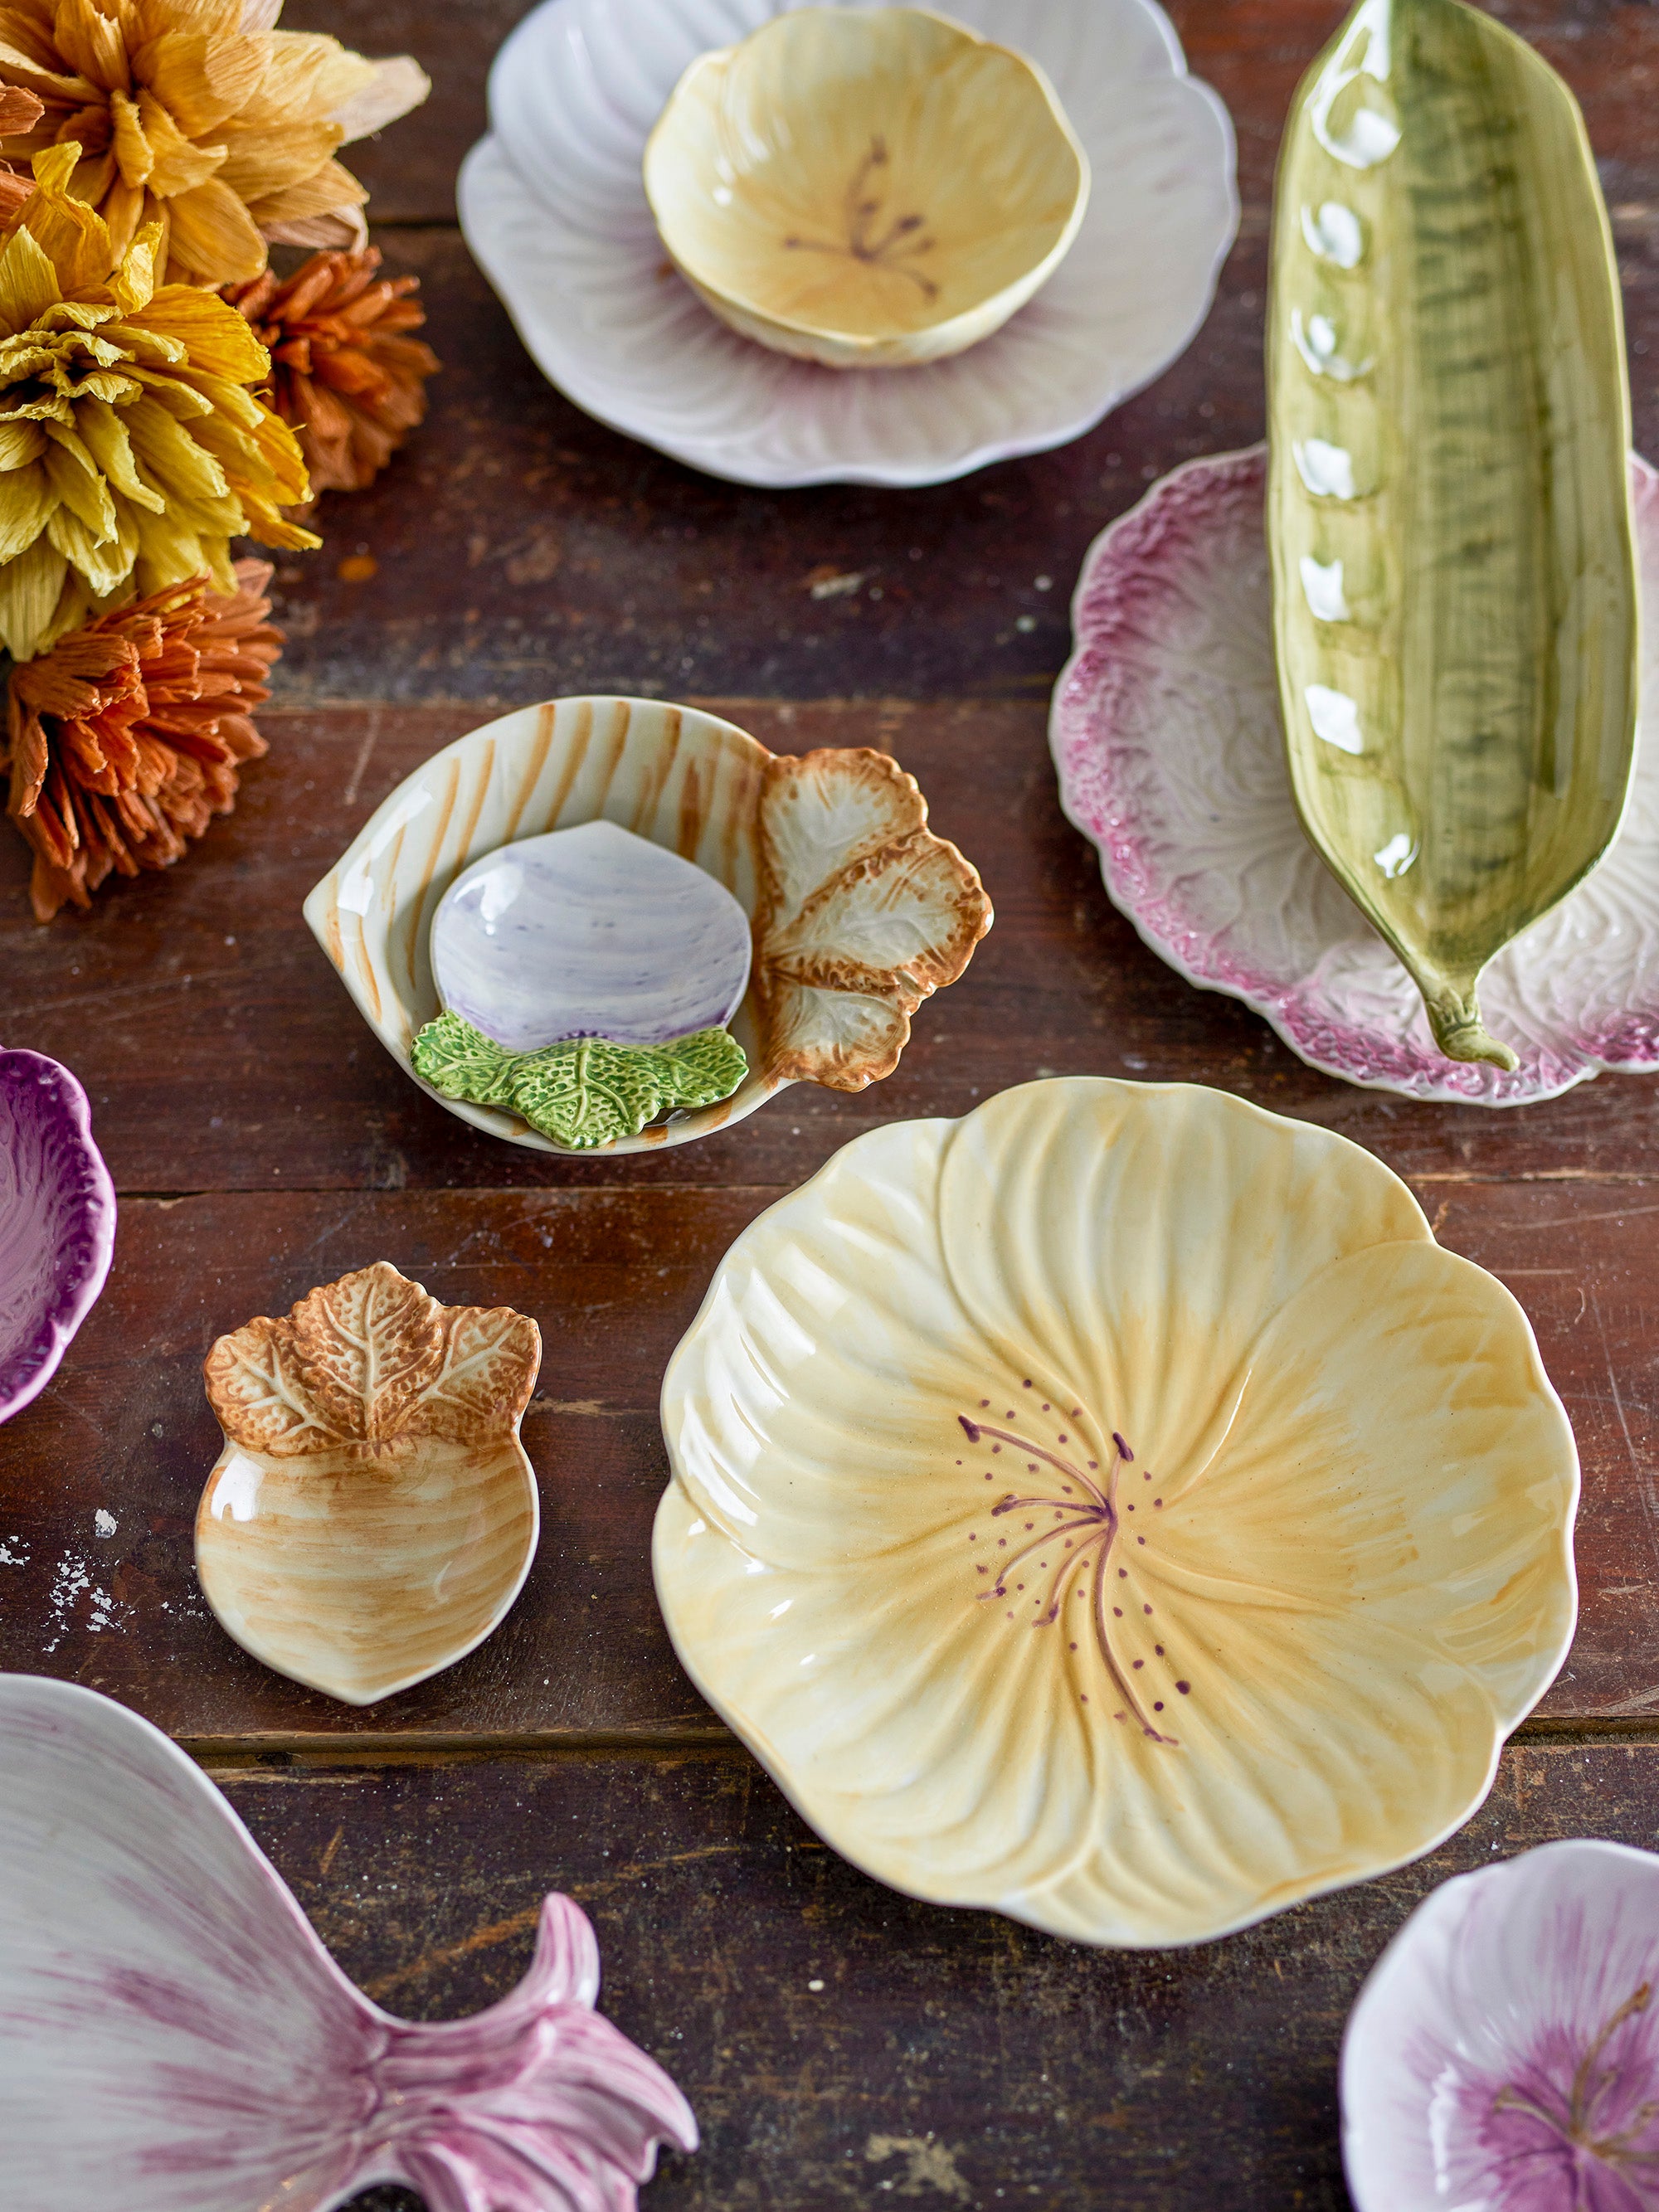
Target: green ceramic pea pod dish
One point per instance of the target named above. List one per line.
(1455, 590)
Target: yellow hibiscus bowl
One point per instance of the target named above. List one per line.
(1114, 1509)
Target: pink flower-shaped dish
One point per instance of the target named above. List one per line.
(1167, 738)
(57, 1221)
(174, 2038)
(1503, 2055)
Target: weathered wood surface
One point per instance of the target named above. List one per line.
(262, 1142)
(268, 1079)
(949, 2059)
(614, 1277)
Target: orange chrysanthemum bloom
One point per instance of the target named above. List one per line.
(345, 375)
(126, 739)
(202, 116)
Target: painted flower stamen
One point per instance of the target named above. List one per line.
(1097, 1521)
(1576, 2125)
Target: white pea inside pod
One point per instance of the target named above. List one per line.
(590, 932)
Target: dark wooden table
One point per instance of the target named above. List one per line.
(841, 2045)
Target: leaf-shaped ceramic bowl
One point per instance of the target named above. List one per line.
(57, 1221)
(1505, 2051)
(1448, 510)
(373, 1516)
(857, 911)
(174, 2038)
(1114, 1509)
(1169, 747)
(868, 188)
(556, 214)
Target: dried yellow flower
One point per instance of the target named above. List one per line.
(132, 448)
(199, 114)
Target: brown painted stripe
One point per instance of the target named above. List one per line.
(546, 713)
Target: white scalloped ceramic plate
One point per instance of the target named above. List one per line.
(1114, 1509)
(1167, 738)
(554, 209)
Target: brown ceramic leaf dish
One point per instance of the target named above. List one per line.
(373, 1514)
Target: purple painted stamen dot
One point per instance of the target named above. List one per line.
(996, 1447)
(1071, 1647)
(1026, 1384)
(1158, 1707)
(1123, 1451)
(1003, 1542)
(1158, 1501)
(1123, 1574)
(1146, 1608)
(1045, 1405)
(1140, 1540)
(1131, 1509)
(1094, 1466)
(1158, 1649)
(1140, 1662)
(1183, 1687)
(1030, 1467)
(1117, 1717)
(1062, 1438)
(1083, 1699)
(1147, 1476)
(969, 1429)
(984, 1401)
(987, 1478)
(973, 1540)
(982, 1571)
(1011, 1616)
(1118, 1612)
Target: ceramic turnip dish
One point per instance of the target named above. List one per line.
(168, 2016)
(57, 1221)
(554, 206)
(373, 1514)
(1504, 2053)
(1114, 1509)
(1167, 738)
(856, 911)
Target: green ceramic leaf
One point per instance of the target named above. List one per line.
(584, 1093)
(1448, 507)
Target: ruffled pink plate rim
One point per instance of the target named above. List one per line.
(1139, 580)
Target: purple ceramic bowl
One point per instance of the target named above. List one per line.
(1503, 2055)
(57, 1221)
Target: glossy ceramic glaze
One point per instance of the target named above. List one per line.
(866, 188)
(857, 910)
(1455, 585)
(170, 2026)
(1169, 746)
(554, 211)
(373, 1516)
(1505, 2053)
(57, 1221)
(589, 932)
(1114, 1509)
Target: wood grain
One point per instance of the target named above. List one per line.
(262, 1143)
(269, 1080)
(613, 1278)
(965, 2060)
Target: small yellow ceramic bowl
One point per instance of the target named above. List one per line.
(870, 189)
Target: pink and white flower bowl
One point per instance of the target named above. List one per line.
(1504, 2055)
(173, 2037)
(1166, 736)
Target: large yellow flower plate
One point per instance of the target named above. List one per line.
(1114, 1509)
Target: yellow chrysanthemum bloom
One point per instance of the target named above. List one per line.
(198, 114)
(131, 449)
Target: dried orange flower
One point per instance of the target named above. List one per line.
(344, 373)
(126, 739)
(200, 113)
